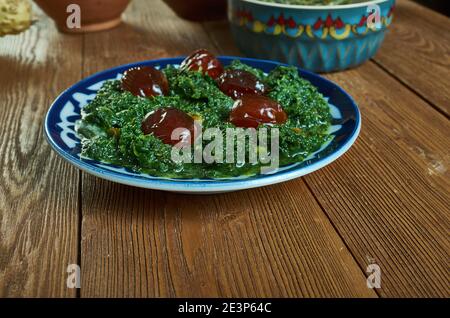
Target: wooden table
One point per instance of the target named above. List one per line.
(386, 201)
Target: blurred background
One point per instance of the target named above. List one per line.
(326, 39)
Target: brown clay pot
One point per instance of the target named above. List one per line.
(96, 15)
(199, 10)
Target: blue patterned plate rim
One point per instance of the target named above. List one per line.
(348, 105)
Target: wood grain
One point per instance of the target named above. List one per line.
(389, 197)
(417, 52)
(38, 191)
(268, 242)
(274, 241)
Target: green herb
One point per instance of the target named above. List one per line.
(111, 124)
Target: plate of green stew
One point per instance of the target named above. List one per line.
(202, 124)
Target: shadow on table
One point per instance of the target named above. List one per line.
(437, 5)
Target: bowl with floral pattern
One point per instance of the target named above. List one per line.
(319, 38)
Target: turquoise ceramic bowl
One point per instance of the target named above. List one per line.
(317, 38)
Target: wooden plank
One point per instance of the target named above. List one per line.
(38, 191)
(389, 196)
(274, 241)
(417, 51)
(271, 242)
